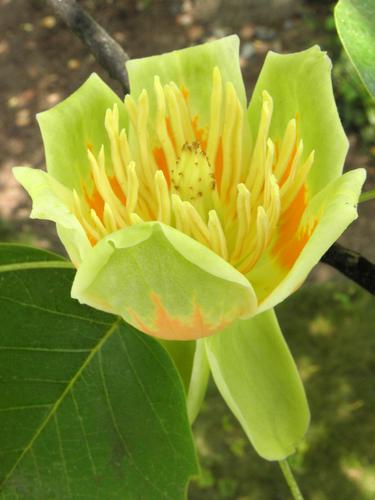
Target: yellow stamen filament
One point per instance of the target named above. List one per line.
(229, 135)
(207, 180)
(244, 219)
(217, 236)
(175, 115)
(164, 203)
(161, 126)
(215, 116)
(184, 113)
(112, 128)
(286, 149)
(104, 186)
(132, 187)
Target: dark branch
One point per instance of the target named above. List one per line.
(352, 265)
(106, 50)
(111, 56)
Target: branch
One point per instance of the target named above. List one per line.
(112, 57)
(108, 53)
(352, 265)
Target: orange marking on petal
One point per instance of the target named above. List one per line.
(92, 240)
(199, 132)
(95, 201)
(292, 240)
(184, 92)
(171, 327)
(219, 164)
(170, 132)
(117, 190)
(161, 162)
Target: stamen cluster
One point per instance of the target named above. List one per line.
(209, 182)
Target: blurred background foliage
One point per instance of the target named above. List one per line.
(329, 324)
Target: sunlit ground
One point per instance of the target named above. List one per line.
(330, 330)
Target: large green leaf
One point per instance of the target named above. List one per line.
(356, 28)
(89, 407)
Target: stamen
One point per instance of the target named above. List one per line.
(175, 117)
(243, 220)
(215, 116)
(104, 187)
(293, 170)
(181, 219)
(217, 236)
(161, 127)
(299, 180)
(109, 219)
(264, 170)
(135, 219)
(259, 153)
(273, 206)
(124, 148)
(162, 193)
(92, 232)
(198, 228)
(259, 243)
(98, 223)
(287, 146)
(230, 118)
(131, 108)
(184, 113)
(132, 187)
(111, 124)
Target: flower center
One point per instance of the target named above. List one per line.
(208, 182)
(193, 178)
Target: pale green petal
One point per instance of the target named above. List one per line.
(333, 209)
(163, 282)
(191, 361)
(256, 375)
(75, 124)
(301, 83)
(51, 201)
(191, 69)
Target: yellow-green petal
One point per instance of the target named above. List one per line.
(73, 126)
(301, 87)
(163, 282)
(51, 201)
(191, 69)
(328, 215)
(256, 375)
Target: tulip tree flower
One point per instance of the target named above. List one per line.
(191, 215)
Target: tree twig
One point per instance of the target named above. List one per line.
(352, 265)
(112, 57)
(106, 50)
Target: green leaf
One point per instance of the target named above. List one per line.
(356, 28)
(89, 407)
(256, 375)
